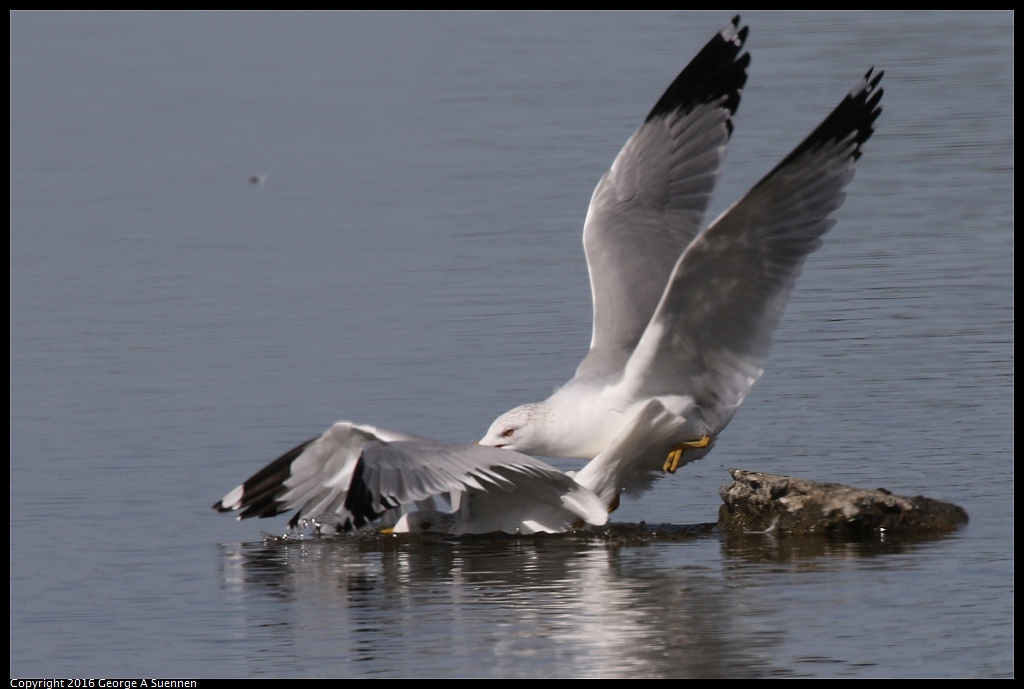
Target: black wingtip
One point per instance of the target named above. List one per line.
(854, 116)
(261, 490)
(718, 71)
(361, 502)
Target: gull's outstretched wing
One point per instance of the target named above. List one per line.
(353, 474)
(650, 205)
(399, 473)
(712, 329)
(313, 478)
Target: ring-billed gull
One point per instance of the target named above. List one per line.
(355, 474)
(683, 319)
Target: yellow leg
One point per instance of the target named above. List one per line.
(672, 461)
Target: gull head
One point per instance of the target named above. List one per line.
(522, 429)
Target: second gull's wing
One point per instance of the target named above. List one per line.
(710, 334)
(650, 205)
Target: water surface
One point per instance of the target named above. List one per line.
(413, 261)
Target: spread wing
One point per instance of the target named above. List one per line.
(712, 329)
(650, 205)
(354, 474)
(394, 474)
(313, 477)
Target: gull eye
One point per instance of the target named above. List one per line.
(507, 433)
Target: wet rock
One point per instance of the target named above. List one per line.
(762, 502)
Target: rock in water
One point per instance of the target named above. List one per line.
(762, 502)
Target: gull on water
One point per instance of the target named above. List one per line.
(682, 323)
(355, 474)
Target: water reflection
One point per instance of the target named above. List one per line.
(768, 547)
(596, 605)
(487, 606)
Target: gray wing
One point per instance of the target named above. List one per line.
(355, 473)
(400, 473)
(313, 477)
(650, 205)
(711, 332)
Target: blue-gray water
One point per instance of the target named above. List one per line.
(413, 261)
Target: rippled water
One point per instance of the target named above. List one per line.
(413, 261)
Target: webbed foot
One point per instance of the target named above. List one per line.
(674, 457)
